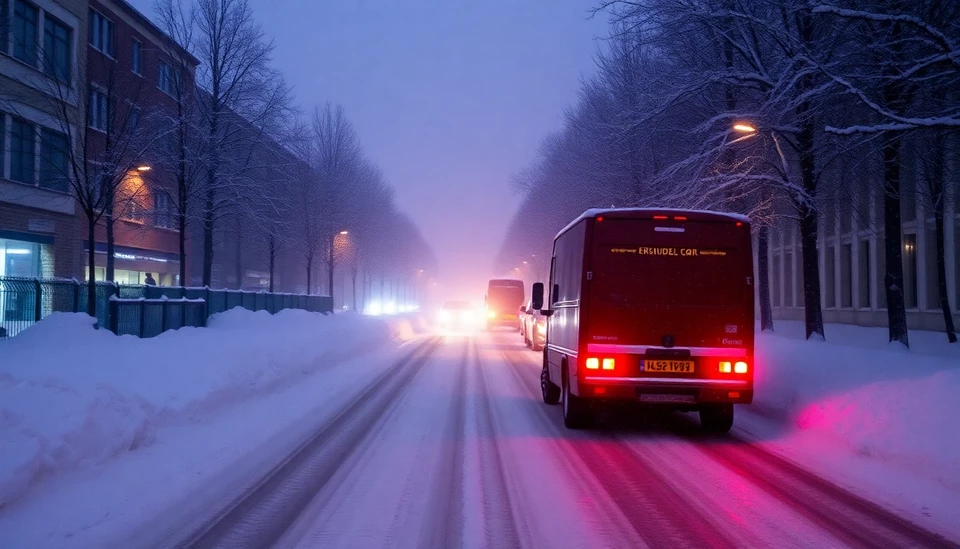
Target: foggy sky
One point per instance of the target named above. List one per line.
(449, 97)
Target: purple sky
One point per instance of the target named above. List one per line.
(449, 97)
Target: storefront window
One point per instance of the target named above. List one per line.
(18, 258)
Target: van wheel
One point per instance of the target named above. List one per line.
(716, 418)
(576, 415)
(548, 389)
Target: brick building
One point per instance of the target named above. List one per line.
(135, 72)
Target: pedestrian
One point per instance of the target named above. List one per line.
(149, 281)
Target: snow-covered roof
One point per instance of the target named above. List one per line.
(594, 212)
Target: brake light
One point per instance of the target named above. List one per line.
(726, 367)
(599, 390)
(660, 217)
(599, 218)
(593, 363)
(608, 363)
(739, 224)
(740, 367)
(680, 218)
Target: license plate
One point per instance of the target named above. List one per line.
(668, 366)
(676, 399)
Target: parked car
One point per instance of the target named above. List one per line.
(533, 327)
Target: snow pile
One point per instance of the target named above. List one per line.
(71, 395)
(868, 399)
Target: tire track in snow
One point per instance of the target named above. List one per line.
(855, 521)
(262, 514)
(500, 525)
(847, 517)
(654, 509)
(443, 526)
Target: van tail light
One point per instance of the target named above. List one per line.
(740, 367)
(593, 363)
(726, 367)
(680, 218)
(608, 363)
(660, 217)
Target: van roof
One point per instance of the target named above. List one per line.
(694, 215)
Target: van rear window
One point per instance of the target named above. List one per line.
(634, 265)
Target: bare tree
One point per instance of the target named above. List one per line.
(245, 99)
(337, 160)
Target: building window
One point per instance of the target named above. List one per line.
(56, 49)
(134, 119)
(788, 279)
(775, 268)
(881, 272)
(99, 110)
(846, 276)
(163, 210)
(25, 17)
(930, 260)
(910, 270)
(3, 141)
(829, 278)
(4, 26)
(133, 210)
(22, 151)
(54, 162)
(166, 78)
(101, 33)
(136, 58)
(863, 298)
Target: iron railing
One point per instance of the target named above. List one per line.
(25, 301)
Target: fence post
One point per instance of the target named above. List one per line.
(114, 323)
(206, 306)
(143, 310)
(183, 310)
(76, 295)
(163, 316)
(36, 306)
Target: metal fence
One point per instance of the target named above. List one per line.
(139, 310)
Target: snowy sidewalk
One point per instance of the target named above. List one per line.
(72, 397)
(868, 414)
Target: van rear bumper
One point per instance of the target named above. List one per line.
(670, 391)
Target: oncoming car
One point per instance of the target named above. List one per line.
(653, 306)
(456, 315)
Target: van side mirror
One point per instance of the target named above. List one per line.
(537, 297)
(523, 309)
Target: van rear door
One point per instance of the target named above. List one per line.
(670, 283)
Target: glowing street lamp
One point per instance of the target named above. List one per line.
(344, 232)
(143, 168)
(744, 128)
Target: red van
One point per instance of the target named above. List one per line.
(653, 306)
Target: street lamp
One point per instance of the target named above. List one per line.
(143, 168)
(766, 311)
(333, 238)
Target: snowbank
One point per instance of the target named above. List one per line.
(71, 395)
(864, 397)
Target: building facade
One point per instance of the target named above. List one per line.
(135, 73)
(852, 258)
(41, 103)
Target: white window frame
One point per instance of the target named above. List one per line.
(97, 110)
(136, 61)
(97, 35)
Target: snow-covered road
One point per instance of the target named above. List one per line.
(452, 447)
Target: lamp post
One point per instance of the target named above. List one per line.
(330, 257)
(763, 237)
